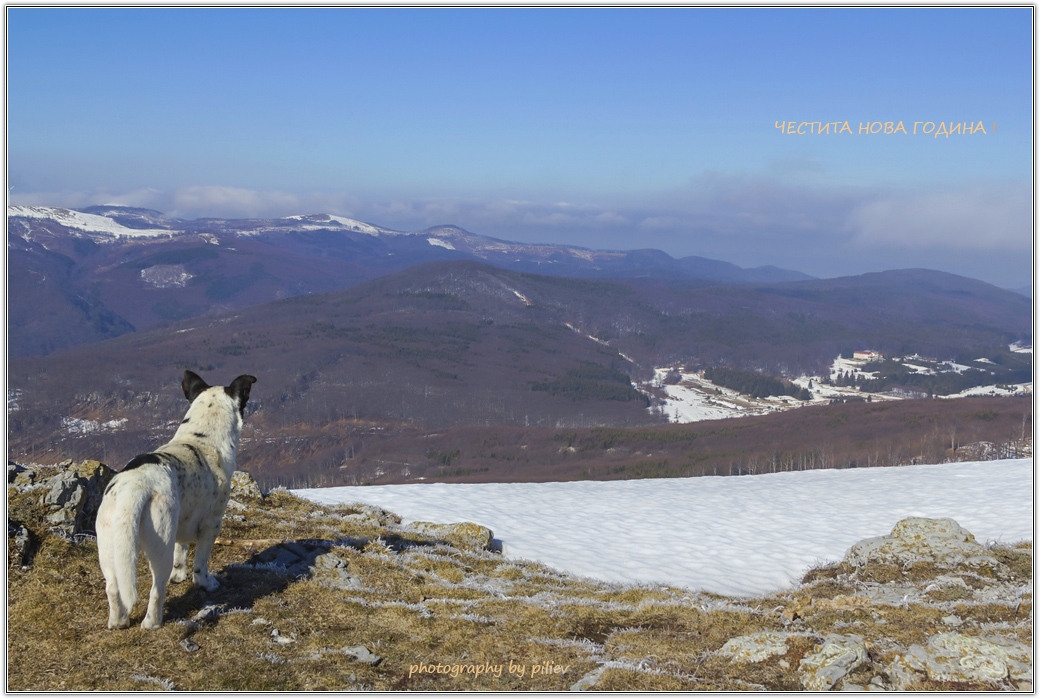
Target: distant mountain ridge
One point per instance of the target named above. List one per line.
(80, 276)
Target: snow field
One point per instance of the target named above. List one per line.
(743, 535)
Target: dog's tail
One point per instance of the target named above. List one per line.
(118, 528)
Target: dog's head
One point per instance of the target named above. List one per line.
(238, 391)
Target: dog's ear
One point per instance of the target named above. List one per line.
(239, 390)
(192, 384)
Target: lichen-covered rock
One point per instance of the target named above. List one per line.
(73, 496)
(830, 661)
(244, 488)
(362, 655)
(957, 657)
(331, 571)
(462, 535)
(875, 685)
(372, 515)
(755, 647)
(918, 539)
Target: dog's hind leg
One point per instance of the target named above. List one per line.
(180, 563)
(117, 526)
(158, 530)
(203, 546)
(118, 615)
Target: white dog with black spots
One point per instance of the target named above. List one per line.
(162, 501)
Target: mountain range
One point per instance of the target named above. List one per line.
(81, 276)
(365, 338)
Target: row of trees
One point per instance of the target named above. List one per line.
(591, 381)
(753, 384)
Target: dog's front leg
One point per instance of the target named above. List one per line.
(180, 563)
(203, 547)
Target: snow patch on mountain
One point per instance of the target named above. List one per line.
(88, 223)
(75, 425)
(607, 344)
(440, 243)
(527, 301)
(1017, 389)
(166, 276)
(322, 221)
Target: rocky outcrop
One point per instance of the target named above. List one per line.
(331, 571)
(928, 572)
(831, 661)
(372, 515)
(920, 540)
(13, 470)
(306, 559)
(71, 493)
(957, 657)
(244, 489)
(756, 647)
(463, 535)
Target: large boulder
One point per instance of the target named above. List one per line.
(73, 496)
(244, 489)
(921, 540)
(462, 535)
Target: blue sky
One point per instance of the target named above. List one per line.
(616, 128)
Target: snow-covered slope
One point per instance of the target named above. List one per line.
(324, 221)
(88, 223)
(744, 535)
(695, 398)
(109, 228)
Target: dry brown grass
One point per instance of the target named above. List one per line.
(420, 603)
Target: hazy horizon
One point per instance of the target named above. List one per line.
(611, 128)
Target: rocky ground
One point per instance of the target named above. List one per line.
(317, 598)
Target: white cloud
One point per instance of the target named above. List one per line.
(232, 202)
(660, 222)
(969, 218)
